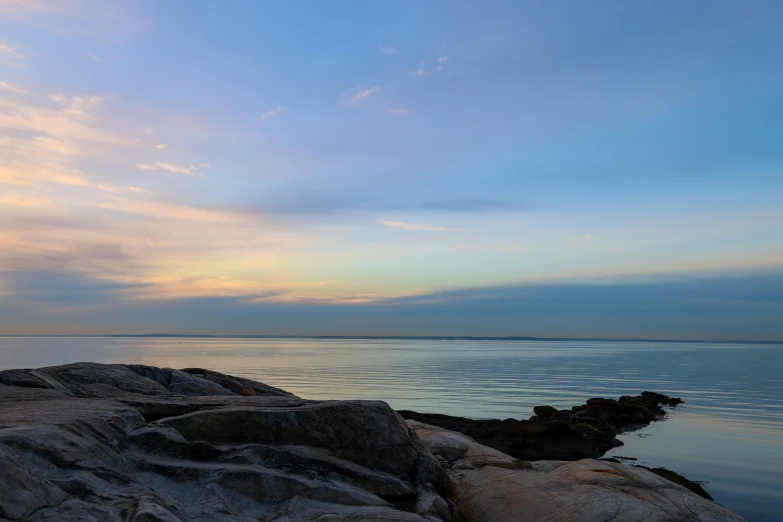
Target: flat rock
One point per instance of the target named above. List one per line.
(500, 490)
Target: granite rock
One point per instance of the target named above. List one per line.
(499, 488)
(136, 443)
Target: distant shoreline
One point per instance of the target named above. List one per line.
(399, 338)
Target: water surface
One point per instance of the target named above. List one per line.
(729, 432)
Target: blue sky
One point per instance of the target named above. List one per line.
(391, 168)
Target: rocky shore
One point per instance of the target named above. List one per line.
(134, 443)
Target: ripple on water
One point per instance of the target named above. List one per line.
(729, 432)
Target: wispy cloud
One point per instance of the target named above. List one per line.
(148, 131)
(272, 112)
(440, 67)
(42, 143)
(108, 187)
(171, 167)
(361, 96)
(94, 57)
(11, 56)
(183, 212)
(140, 190)
(387, 49)
(13, 88)
(76, 18)
(161, 146)
(411, 226)
(21, 201)
(398, 111)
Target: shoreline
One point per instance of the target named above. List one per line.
(86, 439)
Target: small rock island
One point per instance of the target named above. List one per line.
(135, 443)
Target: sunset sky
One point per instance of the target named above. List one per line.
(606, 169)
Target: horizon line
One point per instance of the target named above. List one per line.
(406, 337)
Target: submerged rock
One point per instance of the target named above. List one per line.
(134, 443)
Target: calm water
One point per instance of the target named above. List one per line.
(729, 432)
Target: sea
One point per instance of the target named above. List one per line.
(729, 432)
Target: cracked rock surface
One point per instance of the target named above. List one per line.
(92, 442)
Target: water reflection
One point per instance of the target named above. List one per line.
(728, 432)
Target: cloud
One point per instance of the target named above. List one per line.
(398, 111)
(13, 88)
(94, 57)
(361, 96)
(140, 190)
(11, 56)
(23, 173)
(184, 212)
(62, 287)
(309, 201)
(411, 226)
(439, 67)
(726, 306)
(21, 201)
(270, 113)
(148, 131)
(171, 167)
(81, 19)
(387, 49)
(77, 106)
(161, 146)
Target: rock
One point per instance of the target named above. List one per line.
(678, 479)
(586, 431)
(237, 385)
(544, 411)
(136, 443)
(365, 432)
(461, 452)
(525, 440)
(586, 490)
(498, 490)
(566, 416)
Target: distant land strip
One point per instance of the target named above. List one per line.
(406, 338)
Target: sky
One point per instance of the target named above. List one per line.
(576, 169)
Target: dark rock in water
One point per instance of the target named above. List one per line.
(586, 431)
(544, 411)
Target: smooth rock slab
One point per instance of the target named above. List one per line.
(586, 490)
(501, 489)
